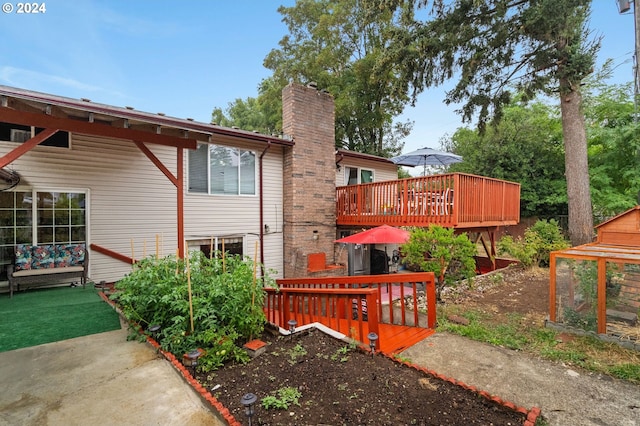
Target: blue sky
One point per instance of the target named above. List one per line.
(184, 58)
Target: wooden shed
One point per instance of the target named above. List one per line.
(596, 286)
(622, 230)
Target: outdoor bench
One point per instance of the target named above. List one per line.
(47, 264)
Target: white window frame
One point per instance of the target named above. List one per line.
(347, 170)
(208, 171)
(34, 211)
(34, 206)
(194, 242)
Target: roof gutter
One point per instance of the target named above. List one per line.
(86, 105)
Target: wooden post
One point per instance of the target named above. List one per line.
(133, 254)
(189, 289)
(602, 295)
(431, 302)
(224, 259)
(552, 287)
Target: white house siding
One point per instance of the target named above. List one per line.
(209, 216)
(129, 199)
(381, 171)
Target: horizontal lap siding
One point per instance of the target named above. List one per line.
(216, 215)
(116, 174)
(381, 172)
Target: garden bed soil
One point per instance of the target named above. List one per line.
(341, 384)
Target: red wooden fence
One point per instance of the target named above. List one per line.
(354, 303)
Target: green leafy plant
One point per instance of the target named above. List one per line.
(282, 399)
(296, 352)
(535, 248)
(342, 353)
(226, 299)
(436, 249)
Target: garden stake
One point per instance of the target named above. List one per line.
(253, 292)
(189, 287)
(133, 254)
(224, 259)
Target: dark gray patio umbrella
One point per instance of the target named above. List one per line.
(426, 157)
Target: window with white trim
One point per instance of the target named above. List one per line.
(222, 170)
(40, 217)
(232, 245)
(355, 175)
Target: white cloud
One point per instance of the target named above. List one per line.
(33, 80)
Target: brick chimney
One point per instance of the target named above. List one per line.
(308, 116)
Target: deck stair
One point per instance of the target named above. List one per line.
(357, 305)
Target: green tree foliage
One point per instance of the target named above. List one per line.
(614, 146)
(525, 147)
(336, 45)
(535, 248)
(436, 249)
(491, 46)
(249, 114)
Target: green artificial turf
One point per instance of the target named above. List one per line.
(42, 316)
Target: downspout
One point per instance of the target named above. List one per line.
(261, 191)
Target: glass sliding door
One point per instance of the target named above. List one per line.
(40, 217)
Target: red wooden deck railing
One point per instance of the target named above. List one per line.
(339, 303)
(451, 200)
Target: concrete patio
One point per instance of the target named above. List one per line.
(96, 379)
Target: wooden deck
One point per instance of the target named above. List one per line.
(455, 200)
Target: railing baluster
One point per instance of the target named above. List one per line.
(402, 305)
(330, 301)
(390, 292)
(414, 286)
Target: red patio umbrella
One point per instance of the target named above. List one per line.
(383, 234)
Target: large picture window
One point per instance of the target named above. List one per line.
(40, 217)
(221, 170)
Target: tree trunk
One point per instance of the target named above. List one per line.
(576, 167)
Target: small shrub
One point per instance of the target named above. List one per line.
(436, 249)
(296, 352)
(535, 248)
(283, 398)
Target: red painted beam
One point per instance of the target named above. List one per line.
(24, 118)
(22, 149)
